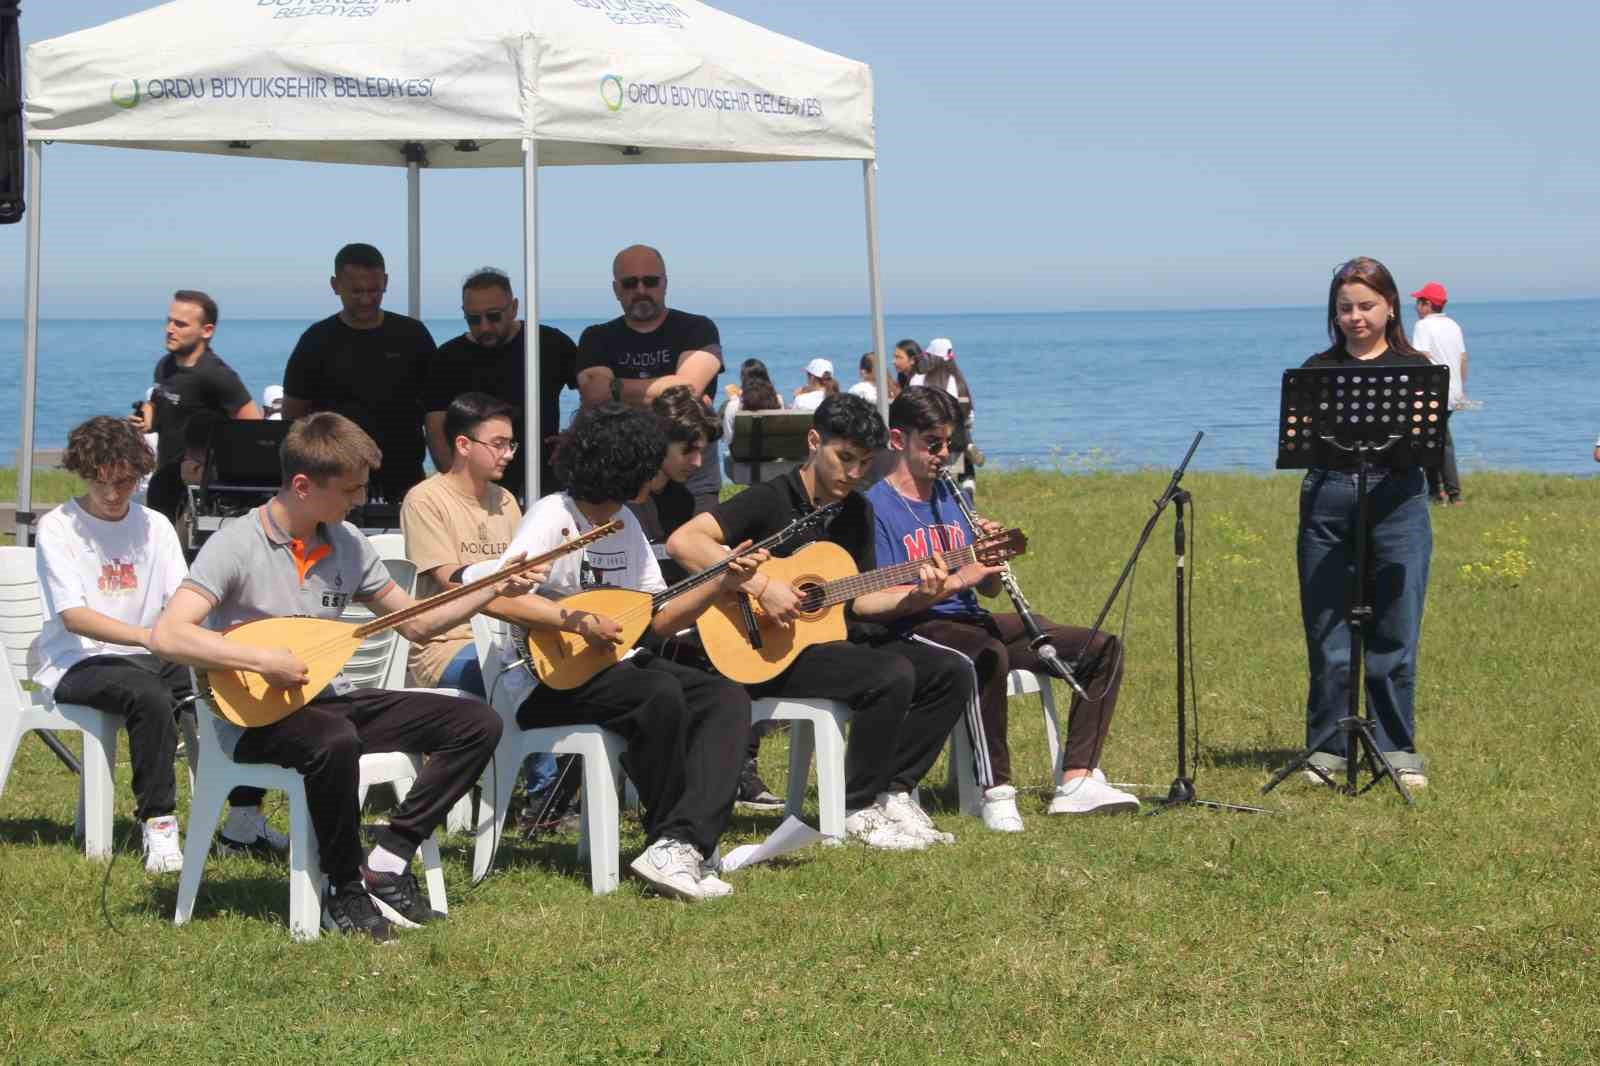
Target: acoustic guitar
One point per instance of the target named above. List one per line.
(747, 646)
(566, 660)
(245, 698)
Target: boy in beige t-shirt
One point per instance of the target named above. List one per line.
(457, 518)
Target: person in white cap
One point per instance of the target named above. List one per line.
(1437, 336)
(943, 373)
(819, 385)
(272, 403)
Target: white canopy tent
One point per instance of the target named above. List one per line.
(443, 83)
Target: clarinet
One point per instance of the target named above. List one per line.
(1038, 640)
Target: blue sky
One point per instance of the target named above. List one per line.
(1034, 156)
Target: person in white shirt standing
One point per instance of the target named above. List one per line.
(1438, 337)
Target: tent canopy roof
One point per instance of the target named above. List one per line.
(354, 81)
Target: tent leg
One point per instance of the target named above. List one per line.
(414, 238)
(30, 347)
(534, 445)
(869, 179)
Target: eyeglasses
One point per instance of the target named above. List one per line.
(494, 317)
(935, 445)
(499, 447)
(633, 281)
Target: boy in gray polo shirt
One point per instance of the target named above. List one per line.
(295, 556)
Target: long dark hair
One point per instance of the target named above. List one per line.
(1375, 276)
(756, 391)
(919, 361)
(944, 371)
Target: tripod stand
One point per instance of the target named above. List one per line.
(1395, 412)
(1181, 793)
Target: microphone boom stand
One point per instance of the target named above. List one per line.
(1181, 793)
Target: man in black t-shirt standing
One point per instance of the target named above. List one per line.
(648, 349)
(492, 357)
(193, 389)
(190, 378)
(367, 364)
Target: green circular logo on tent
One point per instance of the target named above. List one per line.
(123, 98)
(611, 91)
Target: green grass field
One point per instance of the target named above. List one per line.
(1339, 929)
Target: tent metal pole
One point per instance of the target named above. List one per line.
(533, 446)
(413, 237)
(30, 346)
(869, 178)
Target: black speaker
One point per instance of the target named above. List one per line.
(11, 205)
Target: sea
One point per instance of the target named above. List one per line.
(1091, 390)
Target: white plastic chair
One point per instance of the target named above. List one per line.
(599, 837)
(219, 774)
(963, 767)
(380, 662)
(23, 707)
(817, 728)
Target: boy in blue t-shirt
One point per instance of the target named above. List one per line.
(916, 517)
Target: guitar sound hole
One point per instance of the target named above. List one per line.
(810, 590)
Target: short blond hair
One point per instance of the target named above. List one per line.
(326, 445)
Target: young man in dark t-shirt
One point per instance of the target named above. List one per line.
(904, 697)
(367, 364)
(492, 358)
(191, 378)
(649, 349)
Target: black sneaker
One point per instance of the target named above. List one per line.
(348, 909)
(397, 898)
(754, 793)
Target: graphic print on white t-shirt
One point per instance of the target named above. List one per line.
(118, 577)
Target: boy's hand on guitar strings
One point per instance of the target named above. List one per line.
(282, 668)
(778, 600)
(600, 631)
(742, 568)
(523, 583)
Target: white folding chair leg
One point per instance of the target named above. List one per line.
(492, 808)
(802, 745)
(433, 871)
(1052, 729)
(964, 771)
(460, 819)
(305, 868)
(98, 798)
(599, 838)
(205, 812)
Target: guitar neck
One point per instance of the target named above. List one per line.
(843, 589)
(395, 618)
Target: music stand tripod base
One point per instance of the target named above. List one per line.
(1327, 414)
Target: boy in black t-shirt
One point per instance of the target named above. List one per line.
(367, 364)
(904, 697)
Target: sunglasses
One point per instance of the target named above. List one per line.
(494, 317)
(935, 445)
(633, 281)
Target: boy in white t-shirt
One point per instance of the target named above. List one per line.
(686, 728)
(106, 568)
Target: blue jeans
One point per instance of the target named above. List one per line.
(1399, 545)
(465, 674)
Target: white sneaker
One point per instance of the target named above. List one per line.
(876, 829)
(911, 818)
(1000, 810)
(247, 831)
(1085, 795)
(1412, 779)
(672, 868)
(712, 886)
(163, 854)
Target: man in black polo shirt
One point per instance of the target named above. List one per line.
(193, 388)
(904, 697)
(491, 357)
(367, 364)
(649, 349)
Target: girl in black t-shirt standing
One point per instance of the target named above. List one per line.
(1365, 328)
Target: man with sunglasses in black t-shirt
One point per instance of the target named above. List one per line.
(492, 357)
(650, 348)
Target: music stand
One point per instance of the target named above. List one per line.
(1392, 414)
